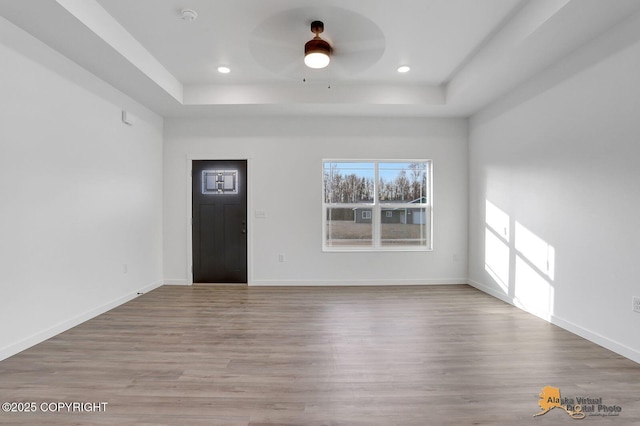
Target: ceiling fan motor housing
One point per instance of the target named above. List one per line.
(317, 27)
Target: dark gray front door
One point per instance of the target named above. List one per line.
(219, 221)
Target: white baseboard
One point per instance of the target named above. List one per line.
(591, 336)
(598, 339)
(348, 283)
(43, 335)
(490, 291)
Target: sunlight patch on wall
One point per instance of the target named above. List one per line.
(497, 220)
(535, 269)
(496, 245)
(537, 251)
(519, 262)
(532, 291)
(496, 261)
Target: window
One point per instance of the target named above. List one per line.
(219, 181)
(376, 205)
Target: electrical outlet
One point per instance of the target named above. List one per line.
(125, 268)
(636, 304)
(281, 257)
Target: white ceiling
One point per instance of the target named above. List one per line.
(463, 54)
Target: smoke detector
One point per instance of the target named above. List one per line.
(188, 15)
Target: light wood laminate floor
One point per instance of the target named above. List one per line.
(216, 355)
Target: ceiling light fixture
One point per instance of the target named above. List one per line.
(224, 70)
(317, 51)
(404, 68)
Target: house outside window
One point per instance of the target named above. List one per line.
(373, 205)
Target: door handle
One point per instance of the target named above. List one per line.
(244, 227)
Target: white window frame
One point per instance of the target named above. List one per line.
(376, 209)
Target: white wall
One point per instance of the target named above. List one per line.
(81, 194)
(285, 171)
(555, 194)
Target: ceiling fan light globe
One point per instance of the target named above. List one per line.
(316, 53)
(317, 60)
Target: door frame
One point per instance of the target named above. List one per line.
(189, 224)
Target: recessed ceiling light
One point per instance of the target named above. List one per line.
(404, 68)
(224, 70)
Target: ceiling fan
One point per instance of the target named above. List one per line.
(317, 52)
(351, 42)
